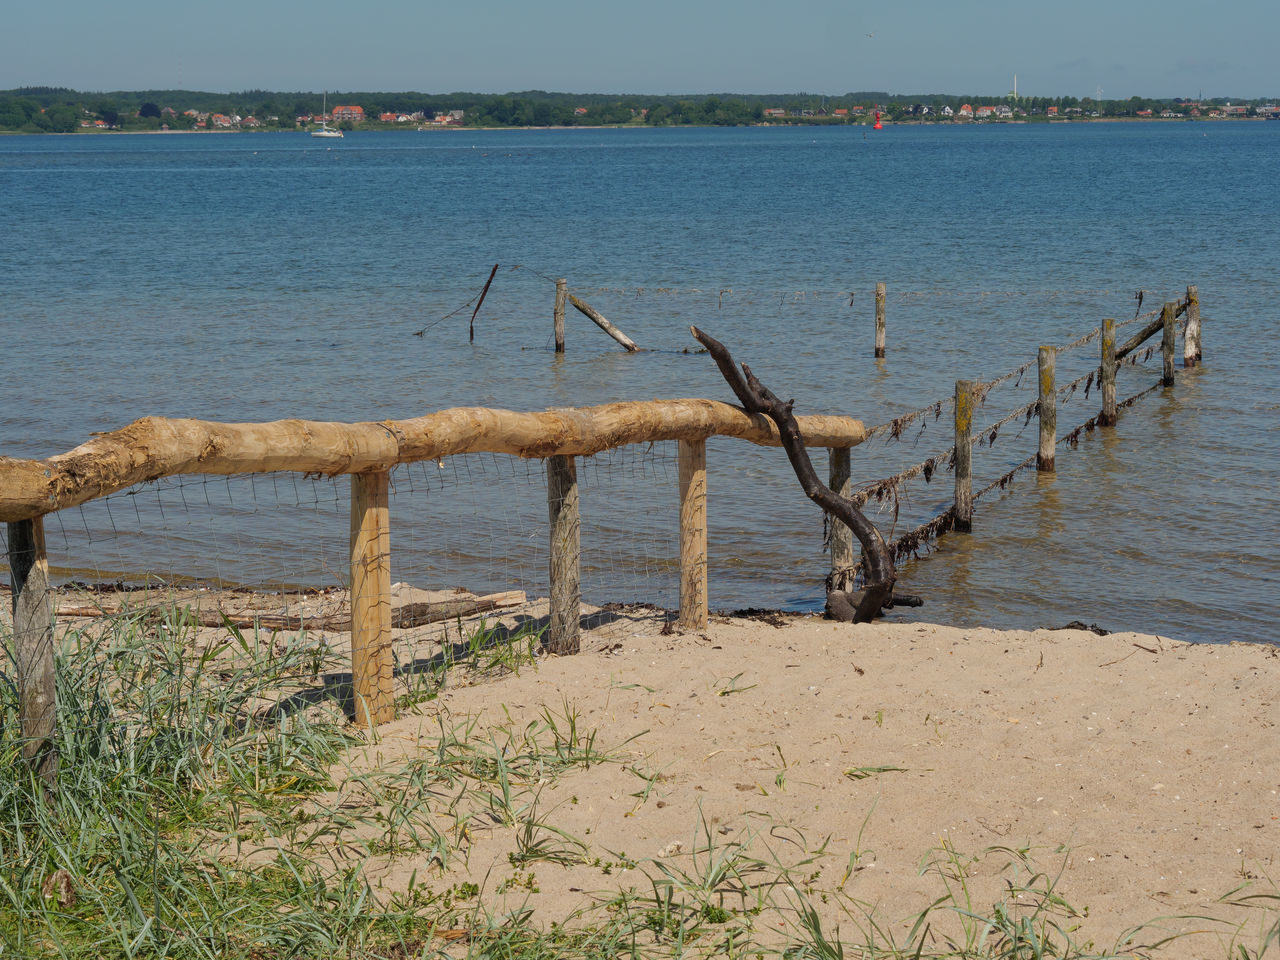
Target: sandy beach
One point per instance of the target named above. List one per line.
(1140, 772)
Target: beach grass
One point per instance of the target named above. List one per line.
(206, 806)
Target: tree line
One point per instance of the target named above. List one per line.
(62, 110)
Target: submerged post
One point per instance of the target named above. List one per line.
(1107, 418)
(33, 646)
(841, 537)
(372, 665)
(1167, 342)
(562, 289)
(693, 534)
(964, 455)
(879, 320)
(564, 629)
(598, 319)
(1048, 410)
(1191, 336)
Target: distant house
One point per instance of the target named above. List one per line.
(579, 111)
(388, 117)
(948, 112)
(1145, 113)
(1051, 111)
(982, 112)
(250, 122)
(1003, 110)
(353, 113)
(966, 110)
(221, 121)
(774, 112)
(840, 112)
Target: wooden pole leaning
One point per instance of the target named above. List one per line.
(562, 289)
(1048, 410)
(33, 646)
(1107, 418)
(693, 534)
(599, 320)
(964, 456)
(879, 320)
(372, 664)
(1168, 341)
(841, 485)
(564, 627)
(1191, 336)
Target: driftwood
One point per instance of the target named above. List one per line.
(156, 447)
(757, 398)
(402, 618)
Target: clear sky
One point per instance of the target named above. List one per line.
(1125, 48)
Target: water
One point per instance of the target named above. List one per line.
(262, 277)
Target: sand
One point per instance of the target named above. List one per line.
(1143, 770)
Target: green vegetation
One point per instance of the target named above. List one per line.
(208, 805)
(60, 110)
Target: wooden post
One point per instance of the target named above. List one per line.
(562, 288)
(1191, 337)
(1048, 410)
(1107, 418)
(596, 317)
(841, 536)
(564, 630)
(964, 455)
(693, 535)
(372, 665)
(33, 646)
(1167, 343)
(879, 320)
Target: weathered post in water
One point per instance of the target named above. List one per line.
(693, 534)
(1048, 410)
(372, 663)
(840, 481)
(562, 288)
(598, 319)
(879, 320)
(964, 455)
(1168, 341)
(33, 646)
(563, 632)
(1107, 418)
(1191, 336)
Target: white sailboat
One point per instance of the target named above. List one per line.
(324, 130)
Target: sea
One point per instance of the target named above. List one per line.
(253, 277)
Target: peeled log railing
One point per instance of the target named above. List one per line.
(155, 447)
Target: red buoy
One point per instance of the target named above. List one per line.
(879, 125)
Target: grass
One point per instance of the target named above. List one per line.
(194, 817)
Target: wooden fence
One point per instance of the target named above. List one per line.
(153, 448)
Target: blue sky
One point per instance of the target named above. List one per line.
(1166, 49)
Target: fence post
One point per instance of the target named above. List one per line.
(33, 646)
(1107, 418)
(841, 537)
(1167, 342)
(562, 288)
(1048, 410)
(964, 455)
(564, 629)
(879, 320)
(693, 534)
(372, 664)
(1191, 336)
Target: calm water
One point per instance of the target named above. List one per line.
(261, 277)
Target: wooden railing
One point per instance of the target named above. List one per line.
(152, 448)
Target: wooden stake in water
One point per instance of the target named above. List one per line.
(562, 288)
(693, 534)
(1048, 409)
(564, 630)
(598, 319)
(839, 475)
(1167, 343)
(1191, 336)
(1107, 418)
(372, 663)
(879, 320)
(33, 646)
(964, 455)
